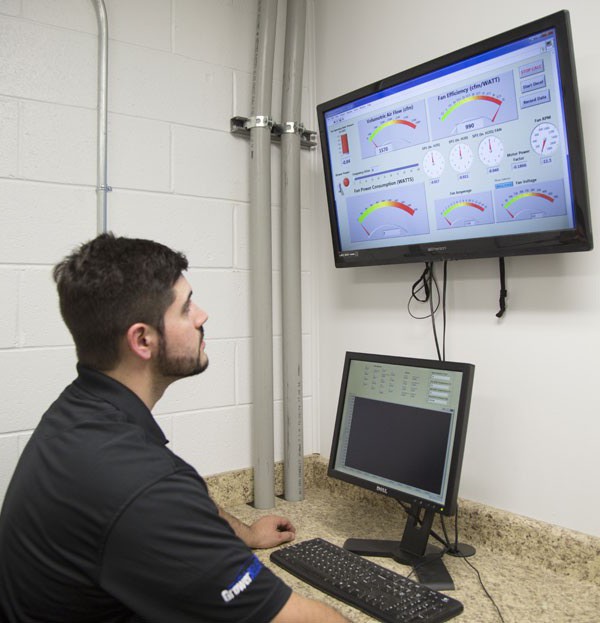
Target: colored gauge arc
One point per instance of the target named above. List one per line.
(512, 204)
(460, 204)
(474, 98)
(387, 124)
(385, 204)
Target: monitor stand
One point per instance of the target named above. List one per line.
(414, 550)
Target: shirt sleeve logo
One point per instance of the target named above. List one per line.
(243, 580)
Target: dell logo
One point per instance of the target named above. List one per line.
(381, 489)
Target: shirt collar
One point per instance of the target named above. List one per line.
(121, 397)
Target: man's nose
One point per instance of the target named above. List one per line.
(201, 317)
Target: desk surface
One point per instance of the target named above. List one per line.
(525, 590)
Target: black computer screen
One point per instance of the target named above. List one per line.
(478, 153)
(401, 427)
(417, 459)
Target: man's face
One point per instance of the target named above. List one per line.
(181, 352)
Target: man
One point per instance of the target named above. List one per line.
(101, 522)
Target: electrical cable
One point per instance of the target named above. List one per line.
(446, 534)
(423, 290)
(485, 590)
(427, 283)
(444, 309)
(436, 536)
(456, 528)
(423, 284)
(432, 311)
(503, 290)
(470, 564)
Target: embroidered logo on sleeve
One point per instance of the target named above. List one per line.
(243, 580)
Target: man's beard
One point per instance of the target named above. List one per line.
(182, 366)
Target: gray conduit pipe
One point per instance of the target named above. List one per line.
(261, 274)
(102, 187)
(290, 245)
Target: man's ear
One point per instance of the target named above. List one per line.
(142, 340)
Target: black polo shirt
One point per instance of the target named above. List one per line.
(102, 523)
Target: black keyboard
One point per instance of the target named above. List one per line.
(380, 592)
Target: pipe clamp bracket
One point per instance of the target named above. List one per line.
(242, 126)
(260, 121)
(291, 127)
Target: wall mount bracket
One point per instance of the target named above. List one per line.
(242, 125)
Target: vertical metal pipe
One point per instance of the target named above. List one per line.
(291, 252)
(102, 187)
(261, 261)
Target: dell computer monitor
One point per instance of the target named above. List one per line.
(400, 431)
(478, 153)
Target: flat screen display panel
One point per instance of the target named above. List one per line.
(477, 154)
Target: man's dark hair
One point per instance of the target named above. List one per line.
(110, 283)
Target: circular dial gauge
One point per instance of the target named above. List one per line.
(461, 157)
(491, 151)
(544, 139)
(434, 163)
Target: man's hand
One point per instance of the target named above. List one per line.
(270, 531)
(265, 532)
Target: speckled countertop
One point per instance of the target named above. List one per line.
(536, 573)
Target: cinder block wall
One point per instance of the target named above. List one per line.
(178, 71)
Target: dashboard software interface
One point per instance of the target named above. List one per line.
(473, 150)
(397, 427)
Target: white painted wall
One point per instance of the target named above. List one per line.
(534, 434)
(178, 71)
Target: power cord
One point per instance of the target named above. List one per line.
(422, 292)
(437, 537)
(424, 289)
(427, 284)
(485, 590)
(503, 290)
(458, 551)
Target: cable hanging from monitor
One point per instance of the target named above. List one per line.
(423, 290)
(503, 291)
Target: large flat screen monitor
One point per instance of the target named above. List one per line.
(400, 431)
(475, 154)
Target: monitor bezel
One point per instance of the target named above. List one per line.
(449, 504)
(578, 238)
